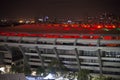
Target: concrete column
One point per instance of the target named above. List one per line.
(39, 54)
(100, 61)
(6, 39)
(77, 58)
(8, 48)
(99, 57)
(36, 40)
(20, 40)
(23, 53)
(1, 58)
(9, 51)
(56, 53)
(55, 41)
(75, 42)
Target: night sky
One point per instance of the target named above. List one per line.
(58, 8)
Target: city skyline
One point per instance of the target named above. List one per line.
(58, 8)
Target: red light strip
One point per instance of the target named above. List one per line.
(53, 36)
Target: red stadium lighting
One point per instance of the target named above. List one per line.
(76, 36)
(96, 37)
(49, 25)
(65, 25)
(62, 28)
(56, 36)
(40, 35)
(56, 25)
(33, 35)
(66, 36)
(2, 33)
(85, 37)
(52, 36)
(85, 26)
(74, 25)
(107, 37)
(66, 28)
(95, 27)
(113, 26)
(49, 36)
(99, 26)
(110, 26)
(23, 34)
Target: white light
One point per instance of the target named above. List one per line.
(69, 21)
(34, 73)
(27, 22)
(33, 78)
(21, 21)
(40, 20)
(32, 21)
(2, 69)
(60, 78)
(50, 76)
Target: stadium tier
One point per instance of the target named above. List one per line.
(95, 47)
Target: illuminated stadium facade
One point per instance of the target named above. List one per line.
(95, 47)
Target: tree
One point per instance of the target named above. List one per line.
(70, 75)
(27, 70)
(40, 70)
(83, 74)
(56, 67)
(15, 69)
(103, 78)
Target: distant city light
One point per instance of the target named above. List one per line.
(21, 21)
(69, 21)
(46, 18)
(41, 20)
(32, 21)
(27, 22)
(3, 20)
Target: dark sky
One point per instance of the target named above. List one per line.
(58, 8)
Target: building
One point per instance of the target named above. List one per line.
(77, 46)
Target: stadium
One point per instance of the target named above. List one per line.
(95, 47)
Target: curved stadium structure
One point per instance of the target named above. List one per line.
(95, 47)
